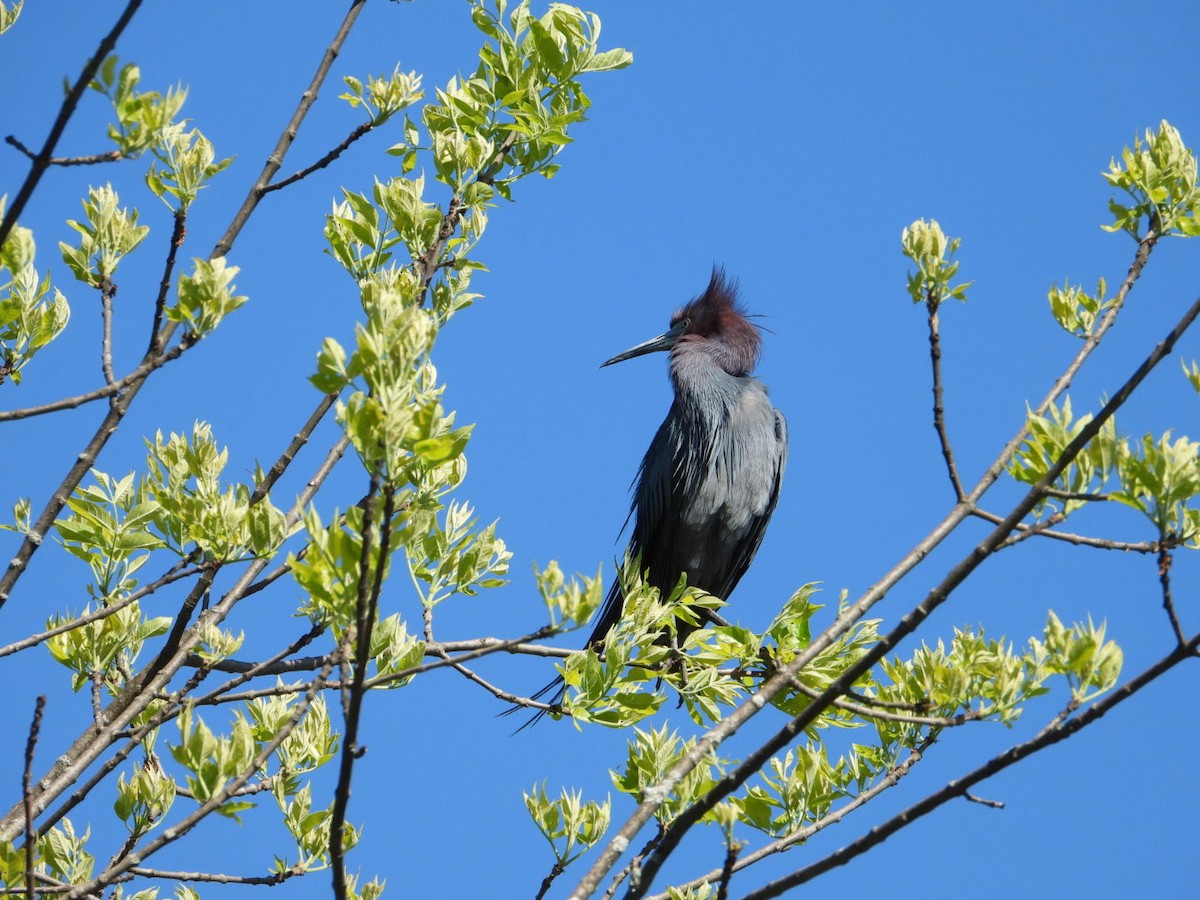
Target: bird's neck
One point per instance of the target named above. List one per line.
(704, 389)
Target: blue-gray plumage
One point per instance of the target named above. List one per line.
(710, 480)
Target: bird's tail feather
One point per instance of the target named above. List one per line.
(610, 614)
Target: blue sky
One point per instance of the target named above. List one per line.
(790, 143)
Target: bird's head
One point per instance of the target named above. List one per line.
(714, 324)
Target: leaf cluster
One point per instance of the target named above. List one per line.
(927, 245)
(1157, 476)
(109, 233)
(30, 316)
(142, 116)
(1158, 172)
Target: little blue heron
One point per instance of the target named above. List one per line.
(710, 480)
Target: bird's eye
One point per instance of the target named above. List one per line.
(686, 323)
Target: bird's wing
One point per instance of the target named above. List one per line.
(740, 560)
(660, 502)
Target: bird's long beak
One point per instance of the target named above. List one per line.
(663, 342)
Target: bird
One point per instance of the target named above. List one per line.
(710, 480)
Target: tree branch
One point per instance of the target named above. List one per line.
(136, 375)
(219, 798)
(939, 419)
(65, 161)
(27, 796)
(108, 290)
(890, 779)
(1164, 580)
(1059, 729)
(275, 160)
(370, 585)
(42, 161)
(179, 571)
(178, 235)
(324, 161)
(218, 878)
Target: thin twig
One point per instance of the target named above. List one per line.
(266, 666)
(939, 418)
(1083, 496)
(868, 712)
(555, 870)
(175, 573)
(387, 678)
(438, 649)
(144, 369)
(727, 869)
(171, 644)
(42, 161)
(324, 161)
(634, 864)
(299, 439)
(27, 795)
(275, 160)
(1044, 529)
(178, 235)
(218, 878)
(1164, 579)
(108, 290)
(983, 801)
(485, 649)
(493, 689)
(93, 159)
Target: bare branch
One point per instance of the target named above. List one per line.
(555, 870)
(218, 878)
(1164, 580)
(1083, 496)
(939, 419)
(275, 160)
(867, 711)
(65, 161)
(1044, 528)
(42, 161)
(27, 795)
(178, 235)
(134, 377)
(324, 161)
(267, 666)
(983, 801)
(438, 649)
(108, 290)
(490, 645)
